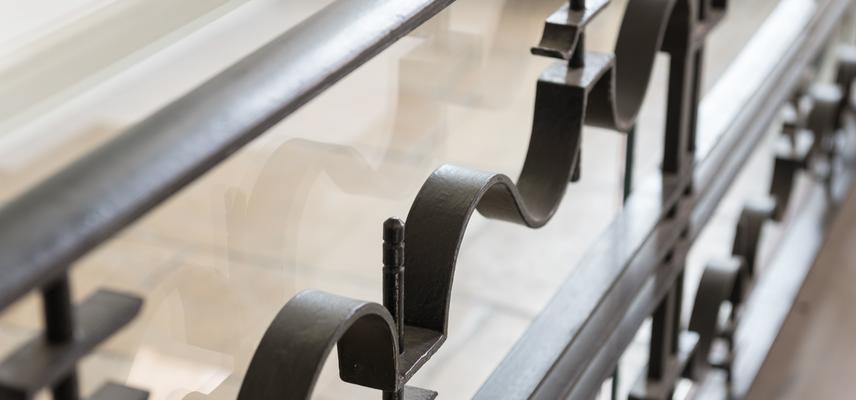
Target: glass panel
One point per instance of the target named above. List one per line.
(302, 206)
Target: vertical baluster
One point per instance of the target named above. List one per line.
(393, 283)
(629, 160)
(661, 338)
(579, 55)
(59, 329)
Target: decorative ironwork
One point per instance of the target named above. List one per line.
(49, 360)
(578, 90)
(383, 346)
(570, 93)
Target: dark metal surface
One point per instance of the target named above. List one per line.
(589, 308)
(59, 330)
(41, 363)
(647, 389)
(774, 295)
(635, 271)
(114, 391)
(714, 290)
(62, 218)
(747, 239)
(562, 30)
(393, 284)
(292, 352)
(440, 213)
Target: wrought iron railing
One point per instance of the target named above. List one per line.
(633, 272)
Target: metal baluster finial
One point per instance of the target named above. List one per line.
(393, 283)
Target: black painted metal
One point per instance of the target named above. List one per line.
(114, 391)
(59, 330)
(62, 218)
(574, 345)
(293, 350)
(714, 290)
(48, 361)
(596, 309)
(393, 283)
(441, 211)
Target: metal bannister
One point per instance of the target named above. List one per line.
(634, 272)
(50, 226)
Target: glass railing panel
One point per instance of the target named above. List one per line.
(302, 206)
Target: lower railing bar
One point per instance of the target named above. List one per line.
(614, 343)
(774, 296)
(572, 331)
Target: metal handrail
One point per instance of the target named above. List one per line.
(570, 348)
(594, 315)
(56, 222)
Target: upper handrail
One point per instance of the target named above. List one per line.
(59, 220)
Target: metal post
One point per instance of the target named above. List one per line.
(629, 160)
(59, 330)
(661, 338)
(578, 56)
(393, 283)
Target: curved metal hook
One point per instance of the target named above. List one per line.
(748, 234)
(305, 330)
(292, 352)
(714, 289)
(441, 210)
(793, 155)
(642, 35)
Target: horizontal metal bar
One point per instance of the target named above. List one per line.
(114, 391)
(774, 296)
(39, 364)
(50, 226)
(580, 334)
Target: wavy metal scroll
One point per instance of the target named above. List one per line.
(810, 132)
(601, 92)
(292, 352)
(715, 288)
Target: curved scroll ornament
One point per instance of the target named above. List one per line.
(598, 93)
(812, 126)
(810, 132)
(715, 288)
(292, 352)
(586, 89)
(728, 282)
